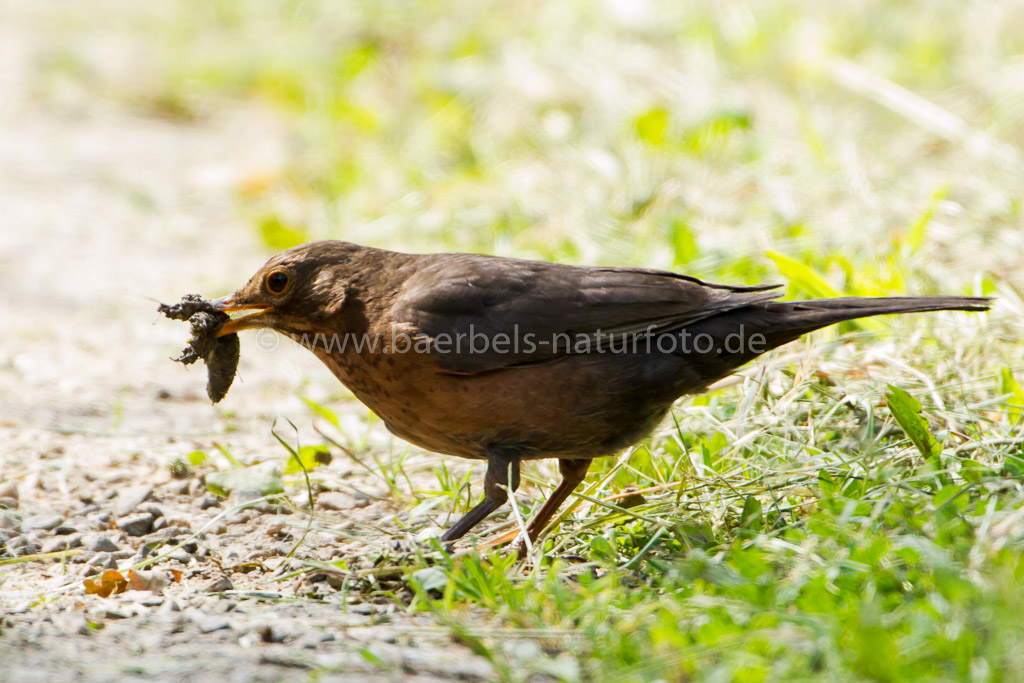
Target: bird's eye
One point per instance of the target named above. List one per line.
(277, 282)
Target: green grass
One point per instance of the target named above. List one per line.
(806, 522)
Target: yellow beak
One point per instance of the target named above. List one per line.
(227, 305)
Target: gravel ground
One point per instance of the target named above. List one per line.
(105, 211)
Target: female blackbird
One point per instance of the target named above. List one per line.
(507, 360)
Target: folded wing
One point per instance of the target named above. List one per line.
(527, 312)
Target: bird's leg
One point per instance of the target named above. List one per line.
(573, 472)
(497, 485)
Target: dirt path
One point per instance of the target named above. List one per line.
(104, 209)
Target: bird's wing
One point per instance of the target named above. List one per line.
(525, 312)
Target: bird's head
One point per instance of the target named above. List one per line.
(296, 291)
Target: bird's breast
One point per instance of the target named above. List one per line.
(572, 409)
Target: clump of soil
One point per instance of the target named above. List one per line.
(219, 353)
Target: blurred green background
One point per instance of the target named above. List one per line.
(872, 141)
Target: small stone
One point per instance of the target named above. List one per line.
(153, 509)
(20, 608)
(243, 516)
(180, 555)
(9, 489)
(213, 624)
(99, 543)
(138, 524)
(169, 606)
(220, 585)
(65, 530)
(102, 561)
(101, 519)
(41, 523)
(336, 581)
(110, 613)
(20, 546)
(364, 608)
(310, 641)
(60, 543)
(130, 498)
(208, 502)
(336, 500)
(168, 533)
(179, 487)
(160, 523)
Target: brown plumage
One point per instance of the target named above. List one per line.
(610, 349)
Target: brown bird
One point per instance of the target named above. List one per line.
(506, 360)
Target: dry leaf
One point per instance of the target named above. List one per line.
(111, 582)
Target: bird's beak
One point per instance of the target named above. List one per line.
(228, 304)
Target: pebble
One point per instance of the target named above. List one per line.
(311, 640)
(41, 523)
(179, 488)
(208, 502)
(138, 524)
(111, 613)
(102, 560)
(243, 516)
(65, 530)
(9, 489)
(169, 606)
(19, 546)
(336, 500)
(153, 509)
(213, 624)
(169, 533)
(99, 543)
(181, 556)
(364, 608)
(160, 523)
(59, 543)
(102, 518)
(220, 585)
(131, 498)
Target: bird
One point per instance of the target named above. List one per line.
(506, 360)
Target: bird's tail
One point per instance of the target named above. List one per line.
(784, 321)
(723, 342)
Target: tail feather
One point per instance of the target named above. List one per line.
(791, 319)
(763, 326)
